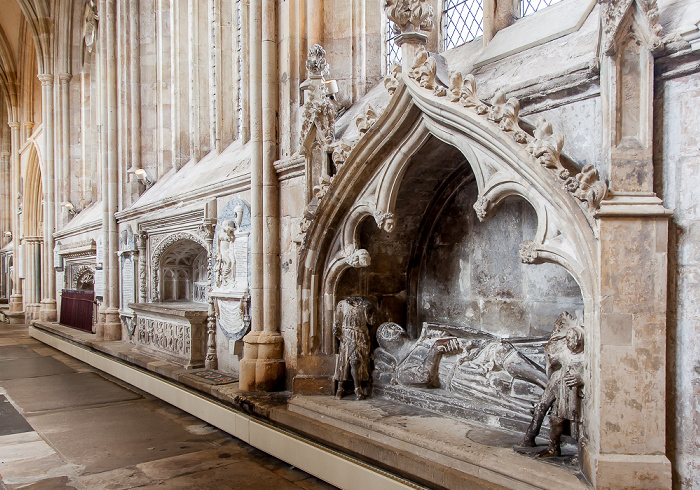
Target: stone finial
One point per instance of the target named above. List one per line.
(409, 15)
(316, 62)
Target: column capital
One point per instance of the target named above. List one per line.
(45, 78)
(14, 124)
(64, 78)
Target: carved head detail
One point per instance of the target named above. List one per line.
(391, 336)
(574, 339)
(228, 228)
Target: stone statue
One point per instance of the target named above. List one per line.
(565, 361)
(225, 256)
(353, 316)
(400, 360)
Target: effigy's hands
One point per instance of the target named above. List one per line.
(448, 345)
(573, 380)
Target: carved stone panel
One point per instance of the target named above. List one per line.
(176, 334)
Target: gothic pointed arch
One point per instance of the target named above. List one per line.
(503, 158)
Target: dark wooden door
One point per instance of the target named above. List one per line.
(77, 308)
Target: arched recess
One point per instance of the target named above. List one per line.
(185, 248)
(369, 183)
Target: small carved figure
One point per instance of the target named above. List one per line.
(225, 256)
(353, 316)
(564, 352)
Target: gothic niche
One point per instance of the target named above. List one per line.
(463, 313)
(183, 272)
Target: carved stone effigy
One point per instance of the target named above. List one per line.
(460, 371)
(175, 332)
(353, 316)
(565, 361)
(230, 288)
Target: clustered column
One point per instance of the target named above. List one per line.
(48, 303)
(262, 367)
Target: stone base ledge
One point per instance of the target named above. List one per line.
(431, 449)
(652, 472)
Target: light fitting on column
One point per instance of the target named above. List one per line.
(143, 177)
(71, 209)
(8, 235)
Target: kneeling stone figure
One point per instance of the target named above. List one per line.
(565, 361)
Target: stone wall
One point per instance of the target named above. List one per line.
(677, 137)
(473, 276)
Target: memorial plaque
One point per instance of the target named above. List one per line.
(99, 283)
(99, 254)
(128, 286)
(241, 251)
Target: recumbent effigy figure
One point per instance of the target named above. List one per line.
(353, 316)
(565, 361)
(472, 365)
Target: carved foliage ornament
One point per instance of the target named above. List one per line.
(544, 144)
(409, 15)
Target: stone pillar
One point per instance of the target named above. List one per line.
(141, 238)
(262, 367)
(208, 227)
(33, 265)
(64, 182)
(497, 16)
(16, 305)
(48, 302)
(112, 327)
(412, 37)
(626, 406)
(270, 367)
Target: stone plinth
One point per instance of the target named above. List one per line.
(177, 332)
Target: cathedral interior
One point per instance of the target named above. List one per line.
(393, 243)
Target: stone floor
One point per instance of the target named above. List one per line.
(63, 424)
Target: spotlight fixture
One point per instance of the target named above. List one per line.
(71, 209)
(8, 235)
(143, 177)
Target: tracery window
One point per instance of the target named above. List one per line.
(462, 21)
(393, 51)
(528, 7)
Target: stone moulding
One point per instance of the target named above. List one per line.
(613, 24)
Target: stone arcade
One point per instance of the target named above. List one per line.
(455, 241)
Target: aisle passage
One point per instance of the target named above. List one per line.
(64, 424)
